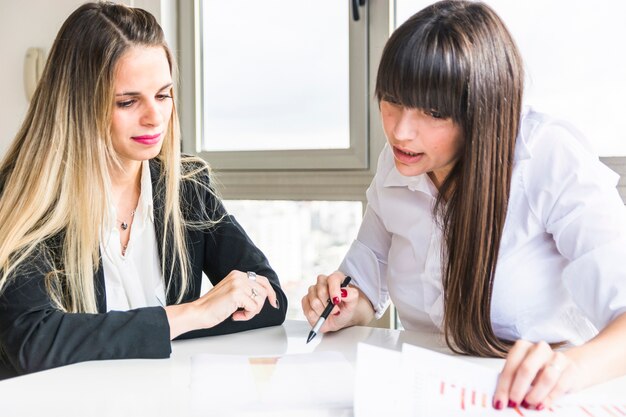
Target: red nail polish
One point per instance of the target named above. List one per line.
(539, 407)
(512, 404)
(344, 293)
(498, 405)
(335, 300)
(525, 404)
(337, 313)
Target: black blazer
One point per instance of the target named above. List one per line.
(35, 336)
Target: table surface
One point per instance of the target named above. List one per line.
(161, 387)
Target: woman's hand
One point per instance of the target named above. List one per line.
(236, 295)
(351, 306)
(535, 375)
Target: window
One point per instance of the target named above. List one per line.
(301, 239)
(276, 92)
(313, 161)
(574, 65)
(573, 61)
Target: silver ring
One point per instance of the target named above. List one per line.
(254, 293)
(252, 275)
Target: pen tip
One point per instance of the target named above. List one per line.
(311, 336)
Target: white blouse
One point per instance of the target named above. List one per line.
(133, 280)
(560, 274)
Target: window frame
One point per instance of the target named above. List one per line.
(328, 174)
(354, 157)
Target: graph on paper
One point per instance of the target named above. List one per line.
(466, 401)
(427, 383)
(463, 389)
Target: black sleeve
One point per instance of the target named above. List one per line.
(34, 335)
(227, 247)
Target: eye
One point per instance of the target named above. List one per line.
(163, 97)
(434, 114)
(125, 103)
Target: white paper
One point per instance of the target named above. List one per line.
(432, 384)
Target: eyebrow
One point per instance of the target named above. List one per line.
(137, 93)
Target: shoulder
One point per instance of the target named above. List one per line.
(554, 149)
(190, 166)
(556, 160)
(192, 172)
(196, 176)
(194, 166)
(542, 134)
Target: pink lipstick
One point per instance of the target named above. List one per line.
(147, 139)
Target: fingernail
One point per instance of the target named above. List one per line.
(498, 405)
(335, 300)
(337, 313)
(512, 404)
(344, 293)
(525, 404)
(539, 406)
(277, 306)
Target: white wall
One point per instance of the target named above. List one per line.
(35, 23)
(24, 24)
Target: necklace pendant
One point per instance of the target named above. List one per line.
(124, 225)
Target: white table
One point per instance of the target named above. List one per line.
(143, 387)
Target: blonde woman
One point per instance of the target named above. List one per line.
(106, 230)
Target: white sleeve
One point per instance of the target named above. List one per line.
(574, 195)
(366, 260)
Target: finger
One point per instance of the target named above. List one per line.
(515, 356)
(258, 293)
(243, 315)
(269, 290)
(317, 305)
(247, 307)
(334, 281)
(563, 386)
(311, 315)
(548, 378)
(308, 311)
(349, 295)
(539, 354)
(321, 290)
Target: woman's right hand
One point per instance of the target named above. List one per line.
(235, 296)
(346, 301)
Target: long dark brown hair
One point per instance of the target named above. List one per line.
(458, 58)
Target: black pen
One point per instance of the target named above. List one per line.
(325, 313)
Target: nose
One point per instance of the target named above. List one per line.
(152, 115)
(406, 127)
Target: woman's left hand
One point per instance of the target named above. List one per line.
(534, 375)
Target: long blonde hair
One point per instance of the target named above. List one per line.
(56, 172)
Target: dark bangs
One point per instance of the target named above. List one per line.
(423, 66)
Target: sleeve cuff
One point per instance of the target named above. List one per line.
(367, 273)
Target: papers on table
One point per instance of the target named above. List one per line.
(418, 382)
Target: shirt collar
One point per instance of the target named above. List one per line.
(521, 148)
(421, 183)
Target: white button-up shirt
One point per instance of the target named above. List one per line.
(561, 271)
(133, 280)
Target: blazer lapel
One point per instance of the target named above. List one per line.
(158, 196)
